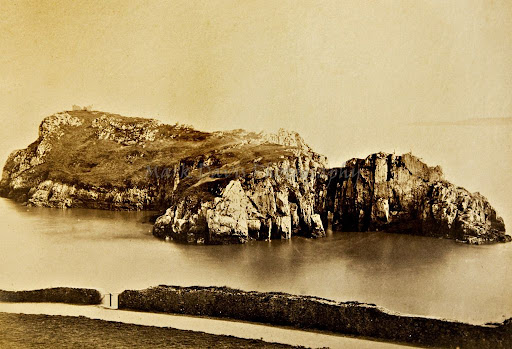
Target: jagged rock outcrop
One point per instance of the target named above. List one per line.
(271, 204)
(116, 129)
(233, 186)
(59, 195)
(17, 176)
(402, 194)
(221, 187)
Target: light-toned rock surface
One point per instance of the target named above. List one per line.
(274, 206)
(227, 219)
(16, 173)
(114, 128)
(402, 194)
(233, 186)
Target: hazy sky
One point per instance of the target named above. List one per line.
(328, 69)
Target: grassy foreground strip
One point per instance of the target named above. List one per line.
(46, 331)
(307, 312)
(53, 295)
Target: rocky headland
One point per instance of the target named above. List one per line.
(233, 186)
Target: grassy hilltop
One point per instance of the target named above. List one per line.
(80, 157)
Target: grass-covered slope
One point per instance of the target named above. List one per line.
(118, 151)
(47, 331)
(99, 151)
(101, 160)
(229, 187)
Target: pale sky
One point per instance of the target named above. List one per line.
(326, 69)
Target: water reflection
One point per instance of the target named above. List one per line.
(115, 251)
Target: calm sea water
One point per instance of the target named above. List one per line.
(114, 251)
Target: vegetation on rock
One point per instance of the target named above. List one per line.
(53, 295)
(308, 312)
(229, 187)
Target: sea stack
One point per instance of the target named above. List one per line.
(402, 194)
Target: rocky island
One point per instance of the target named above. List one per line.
(233, 186)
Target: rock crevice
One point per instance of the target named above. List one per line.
(402, 194)
(233, 186)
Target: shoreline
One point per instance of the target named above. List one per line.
(274, 335)
(306, 312)
(229, 187)
(360, 321)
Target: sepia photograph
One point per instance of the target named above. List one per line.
(256, 174)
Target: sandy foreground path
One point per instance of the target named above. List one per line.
(200, 324)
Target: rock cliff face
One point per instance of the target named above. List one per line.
(270, 198)
(270, 203)
(221, 187)
(402, 194)
(229, 187)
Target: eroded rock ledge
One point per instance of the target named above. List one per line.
(229, 187)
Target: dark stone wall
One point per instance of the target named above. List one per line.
(351, 318)
(53, 295)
